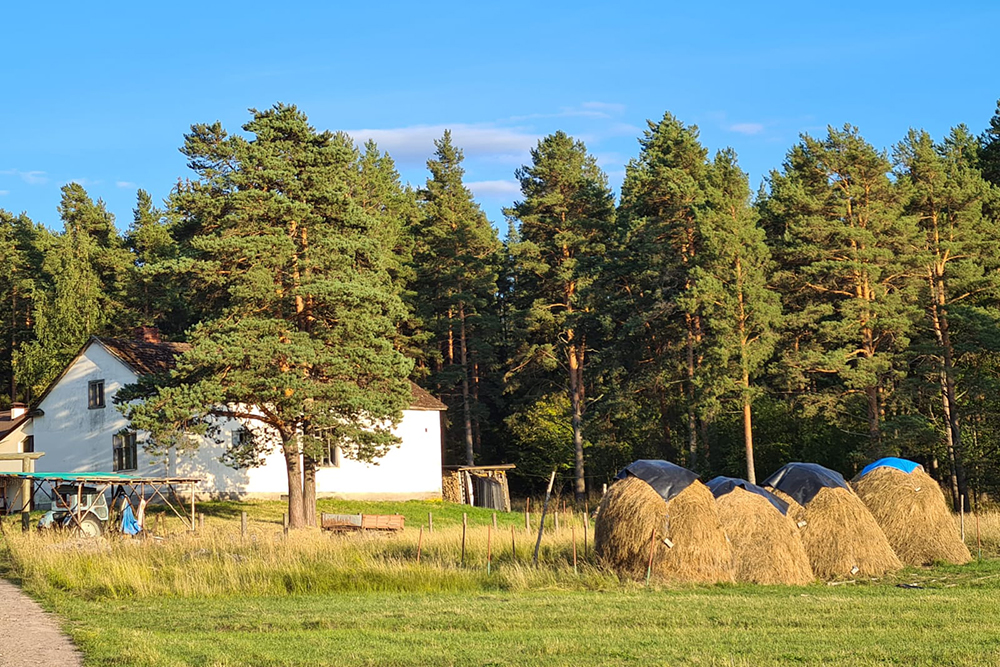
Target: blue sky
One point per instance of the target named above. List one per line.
(102, 93)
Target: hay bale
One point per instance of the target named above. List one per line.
(913, 513)
(840, 536)
(696, 548)
(766, 545)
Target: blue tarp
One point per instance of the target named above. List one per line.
(720, 486)
(129, 524)
(891, 462)
(667, 479)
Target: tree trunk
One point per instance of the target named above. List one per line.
(466, 404)
(748, 428)
(296, 514)
(309, 489)
(691, 416)
(576, 399)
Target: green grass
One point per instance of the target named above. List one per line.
(313, 599)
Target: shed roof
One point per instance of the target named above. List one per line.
(8, 425)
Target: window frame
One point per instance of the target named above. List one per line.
(332, 458)
(123, 444)
(27, 444)
(96, 400)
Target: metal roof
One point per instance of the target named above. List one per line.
(84, 477)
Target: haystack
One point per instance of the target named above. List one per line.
(913, 513)
(689, 543)
(766, 545)
(839, 534)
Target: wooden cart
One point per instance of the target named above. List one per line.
(356, 522)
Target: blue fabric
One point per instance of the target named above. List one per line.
(129, 525)
(891, 462)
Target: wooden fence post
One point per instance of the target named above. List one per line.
(284, 523)
(465, 527)
(573, 529)
(201, 523)
(430, 522)
(243, 525)
(489, 548)
(541, 523)
(961, 513)
(494, 521)
(420, 544)
(652, 546)
(513, 546)
(586, 533)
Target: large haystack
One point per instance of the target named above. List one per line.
(912, 512)
(766, 545)
(838, 532)
(690, 544)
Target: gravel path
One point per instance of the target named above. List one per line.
(29, 635)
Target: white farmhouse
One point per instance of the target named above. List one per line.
(80, 430)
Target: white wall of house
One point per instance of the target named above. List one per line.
(76, 438)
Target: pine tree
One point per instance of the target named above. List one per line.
(989, 150)
(730, 290)
(457, 263)
(150, 294)
(565, 218)
(849, 258)
(303, 346)
(662, 195)
(21, 242)
(87, 268)
(962, 249)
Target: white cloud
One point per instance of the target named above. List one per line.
(494, 188)
(612, 108)
(85, 182)
(4, 192)
(29, 177)
(124, 184)
(746, 128)
(415, 144)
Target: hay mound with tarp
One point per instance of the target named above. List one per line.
(841, 537)
(766, 545)
(911, 509)
(661, 507)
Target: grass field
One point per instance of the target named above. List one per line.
(313, 599)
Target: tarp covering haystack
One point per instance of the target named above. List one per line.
(766, 545)
(911, 509)
(838, 532)
(661, 505)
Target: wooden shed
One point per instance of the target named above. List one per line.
(480, 486)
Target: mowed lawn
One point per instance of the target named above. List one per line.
(744, 626)
(368, 603)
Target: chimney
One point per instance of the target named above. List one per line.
(147, 334)
(17, 410)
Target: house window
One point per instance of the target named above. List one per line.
(330, 457)
(241, 437)
(123, 445)
(28, 444)
(95, 394)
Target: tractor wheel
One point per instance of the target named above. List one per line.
(90, 526)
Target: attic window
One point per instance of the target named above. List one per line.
(28, 444)
(95, 394)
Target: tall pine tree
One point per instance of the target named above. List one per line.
(564, 220)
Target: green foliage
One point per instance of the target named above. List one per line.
(298, 258)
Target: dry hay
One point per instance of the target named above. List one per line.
(632, 510)
(914, 515)
(840, 535)
(766, 545)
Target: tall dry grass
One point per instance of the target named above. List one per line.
(219, 562)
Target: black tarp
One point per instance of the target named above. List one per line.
(802, 481)
(667, 479)
(720, 486)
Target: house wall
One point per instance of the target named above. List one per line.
(411, 470)
(76, 438)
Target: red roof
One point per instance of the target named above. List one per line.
(7, 425)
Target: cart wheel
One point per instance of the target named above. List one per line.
(90, 526)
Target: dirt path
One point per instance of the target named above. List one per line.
(29, 635)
